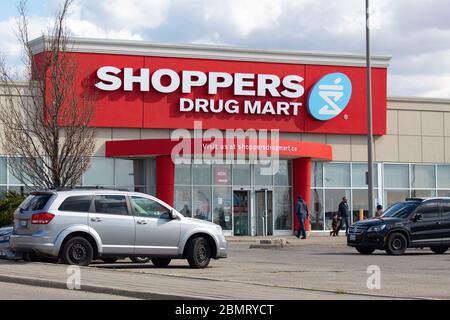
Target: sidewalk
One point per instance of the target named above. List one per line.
(152, 286)
(313, 238)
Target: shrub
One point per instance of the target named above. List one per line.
(8, 205)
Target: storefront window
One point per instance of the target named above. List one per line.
(201, 174)
(443, 193)
(317, 175)
(282, 173)
(12, 175)
(124, 173)
(183, 174)
(100, 173)
(263, 175)
(3, 170)
(332, 199)
(222, 207)
(359, 171)
(241, 174)
(316, 209)
(222, 174)
(337, 175)
(423, 176)
(361, 201)
(283, 209)
(201, 203)
(423, 193)
(394, 196)
(443, 176)
(396, 176)
(182, 201)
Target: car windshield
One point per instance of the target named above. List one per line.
(401, 210)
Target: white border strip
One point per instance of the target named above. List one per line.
(141, 48)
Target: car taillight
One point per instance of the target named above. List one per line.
(42, 218)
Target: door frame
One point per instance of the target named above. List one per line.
(255, 214)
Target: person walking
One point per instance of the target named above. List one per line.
(301, 210)
(343, 213)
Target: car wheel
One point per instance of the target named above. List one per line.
(439, 250)
(140, 259)
(109, 260)
(365, 250)
(77, 251)
(161, 263)
(198, 253)
(396, 244)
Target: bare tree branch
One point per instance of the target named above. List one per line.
(45, 124)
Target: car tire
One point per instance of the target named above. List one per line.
(439, 250)
(365, 250)
(396, 244)
(109, 260)
(161, 263)
(77, 251)
(140, 259)
(198, 253)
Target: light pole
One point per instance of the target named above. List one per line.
(369, 115)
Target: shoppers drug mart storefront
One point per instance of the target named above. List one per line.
(150, 97)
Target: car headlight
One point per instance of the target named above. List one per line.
(4, 238)
(377, 228)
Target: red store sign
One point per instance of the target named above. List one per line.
(169, 92)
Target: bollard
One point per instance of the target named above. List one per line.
(361, 214)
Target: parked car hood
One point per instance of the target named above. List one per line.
(6, 231)
(203, 222)
(378, 221)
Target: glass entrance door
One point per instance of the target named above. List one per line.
(241, 212)
(264, 212)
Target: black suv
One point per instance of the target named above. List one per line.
(414, 223)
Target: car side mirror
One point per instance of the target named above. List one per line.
(173, 215)
(417, 217)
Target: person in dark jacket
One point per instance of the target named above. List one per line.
(301, 210)
(343, 213)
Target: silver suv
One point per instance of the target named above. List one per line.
(78, 226)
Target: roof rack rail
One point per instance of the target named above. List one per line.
(87, 188)
(415, 199)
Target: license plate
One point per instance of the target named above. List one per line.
(352, 237)
(23, 223)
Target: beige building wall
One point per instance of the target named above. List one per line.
(418, 131)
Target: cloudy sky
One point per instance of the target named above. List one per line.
(415, 32)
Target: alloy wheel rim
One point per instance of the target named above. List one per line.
(78, 252)
(202, 253)
(397, 244)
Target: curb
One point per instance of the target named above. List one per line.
(95, 289)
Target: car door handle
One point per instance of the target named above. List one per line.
(438, 222)
(96, 219)
(142, 222)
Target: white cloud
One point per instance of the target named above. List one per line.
(417, 33)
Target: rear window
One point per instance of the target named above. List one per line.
(111, 204)
(35, 202)
(76, 204)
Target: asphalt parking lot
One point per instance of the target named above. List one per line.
(321, 264)
(316, 268)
